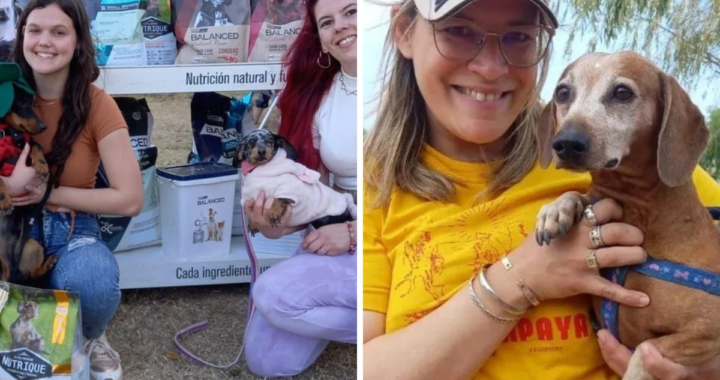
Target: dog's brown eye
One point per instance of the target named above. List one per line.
(562, 94)
(623, 93)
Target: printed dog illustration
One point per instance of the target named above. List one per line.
(212, 225)
(639, 135)
(268, 164)
(8, 16)
(281, 12)
(220, 228)
(23, 332)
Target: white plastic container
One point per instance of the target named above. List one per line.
(196, 209)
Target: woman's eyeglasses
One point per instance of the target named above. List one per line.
(520, 46)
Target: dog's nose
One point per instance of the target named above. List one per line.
(571, 144)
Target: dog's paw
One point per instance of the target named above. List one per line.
(557, 218)
(6, 205)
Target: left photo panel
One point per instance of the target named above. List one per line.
(178, 189)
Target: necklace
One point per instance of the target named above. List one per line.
(38, 104)
(344, 87)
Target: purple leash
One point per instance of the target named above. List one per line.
(200, 326)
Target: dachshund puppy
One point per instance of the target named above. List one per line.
(23, 332)
(268, 163)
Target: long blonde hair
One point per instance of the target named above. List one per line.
(393, 147)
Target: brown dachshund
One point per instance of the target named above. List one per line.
(639, 135)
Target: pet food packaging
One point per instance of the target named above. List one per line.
(218, 122)
(211, 31)
(123, 233)
(41, 334)
(196, 208)
(160, 41)
(117, 32)
(274, 26)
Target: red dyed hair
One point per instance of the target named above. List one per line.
(305, 87)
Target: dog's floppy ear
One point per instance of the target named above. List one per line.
(545, 134)
(282, 142)
(683, 134)
(240, 153)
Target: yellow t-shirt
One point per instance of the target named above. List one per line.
(417, 254)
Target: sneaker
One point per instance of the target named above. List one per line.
(104, 361)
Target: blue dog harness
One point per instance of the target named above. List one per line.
(691, 277)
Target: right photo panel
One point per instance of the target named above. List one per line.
(540, 190)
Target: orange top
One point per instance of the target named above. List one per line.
(84, 160)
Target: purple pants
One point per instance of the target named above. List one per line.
(301, 304)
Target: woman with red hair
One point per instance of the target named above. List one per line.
(310, 299)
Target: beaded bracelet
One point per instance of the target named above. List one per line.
(353, 242)
(485, 310)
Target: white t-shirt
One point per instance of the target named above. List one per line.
(335, 131)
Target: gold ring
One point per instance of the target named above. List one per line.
(589, 215)
(595, 238)
(591, 259)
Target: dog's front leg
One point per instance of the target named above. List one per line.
(33, 264)
(277, 210)
(39, 162)
(557, 218)
(6, 205)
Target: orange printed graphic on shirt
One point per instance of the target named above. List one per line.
(423, 262)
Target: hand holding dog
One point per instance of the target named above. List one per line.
(561, 270)
(22, 176)
(617, 357)
(330, 240)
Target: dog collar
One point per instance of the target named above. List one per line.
(247, 167)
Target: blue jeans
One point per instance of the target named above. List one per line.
(85, 265)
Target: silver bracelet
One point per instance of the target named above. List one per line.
(508, 308)
(487, 312)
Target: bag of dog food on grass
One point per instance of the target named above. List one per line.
(122, 233)
(275, 25)
(211, 31)
(41, 334)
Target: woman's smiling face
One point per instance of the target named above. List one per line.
(50, 40)
(337, 28)
(472, 101)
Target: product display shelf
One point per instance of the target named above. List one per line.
(151, 267)
(249, 76)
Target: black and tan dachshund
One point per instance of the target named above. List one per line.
(22, 259)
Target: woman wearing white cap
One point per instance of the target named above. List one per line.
(452, 189)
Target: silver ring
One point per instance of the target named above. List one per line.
(323, 251)
(591, 259)
(595, 238)
(589, 215)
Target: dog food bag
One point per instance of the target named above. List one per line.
(122, 233)
(117, 31)
(275, 25)
(41, 334)
(211, 31)
(160, 41)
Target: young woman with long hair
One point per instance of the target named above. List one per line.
(310, 299)
(55, 51)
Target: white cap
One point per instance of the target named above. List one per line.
(437, 10)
